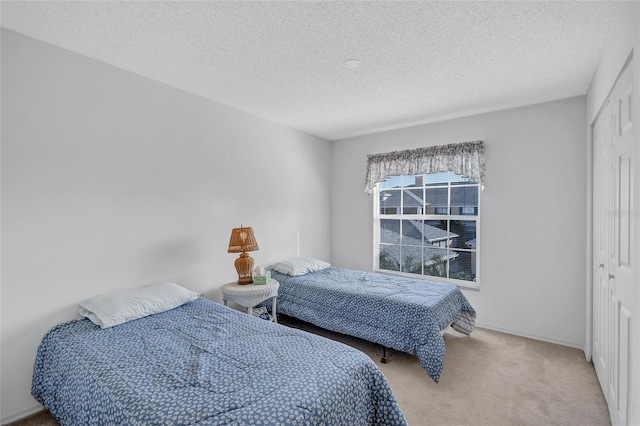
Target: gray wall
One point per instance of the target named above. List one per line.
(111, 180)
(533, 213)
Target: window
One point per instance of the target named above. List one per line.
(428, 225)
(427, 209)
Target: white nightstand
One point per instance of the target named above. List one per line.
(249, 295)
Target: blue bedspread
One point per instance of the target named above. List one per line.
(404, 314)
(206, 364)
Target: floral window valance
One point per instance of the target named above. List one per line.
(464, 159)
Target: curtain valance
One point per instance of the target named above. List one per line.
(464, 159)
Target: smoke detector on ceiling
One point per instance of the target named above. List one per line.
(351, 63)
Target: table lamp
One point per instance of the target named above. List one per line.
(242, 241)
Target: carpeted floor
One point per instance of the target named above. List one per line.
(488, 379)
(491, 379)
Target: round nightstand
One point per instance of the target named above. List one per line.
(249, 295)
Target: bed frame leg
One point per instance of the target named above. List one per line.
(384, 355)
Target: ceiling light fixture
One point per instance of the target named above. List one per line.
(351, 63)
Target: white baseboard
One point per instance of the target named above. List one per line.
(574, 345)
(22, 414)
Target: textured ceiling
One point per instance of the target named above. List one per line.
(283, 61)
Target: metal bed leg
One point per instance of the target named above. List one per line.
(384, 355)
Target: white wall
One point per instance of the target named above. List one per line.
(532, 213)
(623, 41)
(111, 180)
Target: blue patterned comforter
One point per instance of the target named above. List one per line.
(206, 364)
(404, 314)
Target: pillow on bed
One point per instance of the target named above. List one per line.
(299, 266)
(117, 307)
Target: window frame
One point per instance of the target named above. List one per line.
(378, 216)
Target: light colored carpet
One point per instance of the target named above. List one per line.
(488, 379)
(492, 379)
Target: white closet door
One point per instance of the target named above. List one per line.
(601, 153)
(615, 142)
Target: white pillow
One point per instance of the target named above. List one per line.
(299, 266)
(117, 307)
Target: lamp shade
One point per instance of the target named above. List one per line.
(242, 240)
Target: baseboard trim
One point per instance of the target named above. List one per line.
(34, 409)
(532, 336)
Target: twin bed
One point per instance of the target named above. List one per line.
(408, 315)
(205, 364)
(182, 359)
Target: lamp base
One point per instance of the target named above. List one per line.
(244, 267)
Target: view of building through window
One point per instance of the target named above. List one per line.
(428, 225)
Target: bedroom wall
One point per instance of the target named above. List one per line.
(533, 213)
(111, 180)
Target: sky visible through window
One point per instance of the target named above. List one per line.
(432, 178)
